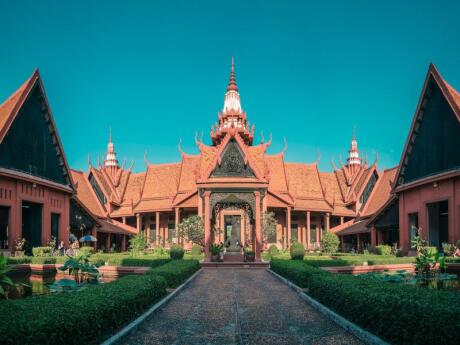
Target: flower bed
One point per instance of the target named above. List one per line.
(89, 315)
(397, 313)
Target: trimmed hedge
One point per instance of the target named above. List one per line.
(42, 251)
(383, 249)
(176, 271)
(397, 313)
(83, 317)
(90, 315)
(176, 252)
(297, 251)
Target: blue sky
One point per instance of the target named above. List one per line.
(156, 71)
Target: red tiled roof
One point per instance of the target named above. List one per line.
(277, 173)
(188, 169)
(85, 194)
(303, 180)
(381, 192)
(162, 180)
(357, 227)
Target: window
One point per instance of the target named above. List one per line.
(100, 195)
(55, 226)
(153, 231)
(367, 191)
(413, 225)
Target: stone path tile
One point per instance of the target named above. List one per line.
(238, 306)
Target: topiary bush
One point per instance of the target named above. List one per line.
(383, 249)
(273, 250)
(297, 251)
(330, 242)
(42, 251)
(196, 250)
(176, 252)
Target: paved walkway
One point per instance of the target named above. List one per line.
(238, 306)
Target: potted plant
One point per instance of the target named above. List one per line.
(249, 255)
(215, 250)
(18, 246)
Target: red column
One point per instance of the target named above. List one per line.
(157, 226)
(107, 243)
(94, 234)
(200, 205)
(207, 224)
(138, 222)
(176, 222)
(358, 242)
(123, 244)
(308, 229)
(288, 226)
(258, 230)
(327, 218)
(373, 236)
(341, 220)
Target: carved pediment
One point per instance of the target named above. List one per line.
(232, 163)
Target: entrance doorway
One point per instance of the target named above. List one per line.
(31, 225)
(438, 223)
(4, 218)
(233, 233)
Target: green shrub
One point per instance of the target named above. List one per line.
(297, 251)
(176, 252)
(383, 249)
(431, 249)
(84, 317)
(399, 314)
(128, 260)
(42, 251)
(176, 271)
(196, 250)
(330, 242)
(273, 250)
(86, 250)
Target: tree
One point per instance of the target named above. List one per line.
(268, 226)
(330, 242)
(138, 243)
(192, 227)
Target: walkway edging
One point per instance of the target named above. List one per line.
(137, 322)
(349, 326)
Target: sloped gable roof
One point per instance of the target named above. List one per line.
(381, 192)
(12, 106)
(453, 99)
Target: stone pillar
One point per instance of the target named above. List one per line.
(157, 227)
(288, 225)
(373, 236)
(327, 218)
(207, 223)
(341, 220)
(123, 243)
(308, 229)
(258, 226)
(176, 222)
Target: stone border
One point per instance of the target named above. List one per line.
(349, 326)
(137, 322)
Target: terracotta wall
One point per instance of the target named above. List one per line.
(14, 192)
(416, 199)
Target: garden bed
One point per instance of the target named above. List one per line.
(88, 315)
(399, 314)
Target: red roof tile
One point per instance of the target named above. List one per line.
(381, 192)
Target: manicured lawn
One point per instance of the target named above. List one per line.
(397, 313)
(90, 315)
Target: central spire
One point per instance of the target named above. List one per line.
(232, 119)
(111, 158)
(232, 101)
(232, 83)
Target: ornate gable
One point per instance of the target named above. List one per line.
(232, 162)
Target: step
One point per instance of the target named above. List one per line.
(259, 264)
